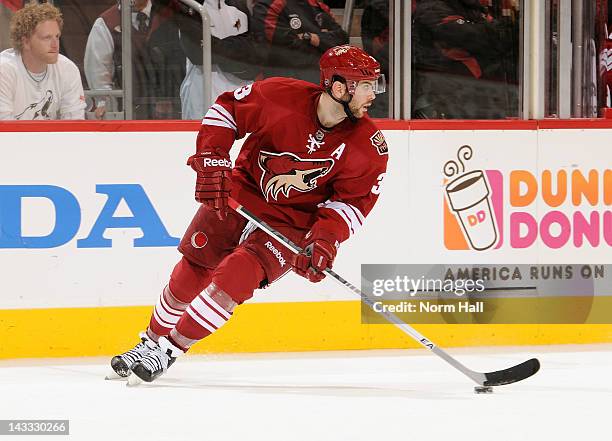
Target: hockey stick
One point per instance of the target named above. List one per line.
(496, 378)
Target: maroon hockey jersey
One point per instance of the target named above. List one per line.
(291, 171)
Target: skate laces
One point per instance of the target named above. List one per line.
(155, 360)
(138, 351)
(161, 356)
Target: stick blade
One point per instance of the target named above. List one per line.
(512, 374)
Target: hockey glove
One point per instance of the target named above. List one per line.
(318, 254)
(214, 179)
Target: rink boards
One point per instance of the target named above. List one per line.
(91, 213)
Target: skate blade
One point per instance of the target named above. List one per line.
(133, 380)
(114, 376)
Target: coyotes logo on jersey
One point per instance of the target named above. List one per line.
(378, 141)
(285, 171)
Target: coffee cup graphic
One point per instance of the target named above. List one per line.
(468, 197)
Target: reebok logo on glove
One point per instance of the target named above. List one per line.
(214, 179)
(208, 162)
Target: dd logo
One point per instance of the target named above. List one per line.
(475, 219)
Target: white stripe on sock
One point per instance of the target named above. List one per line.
(208, 311)
(201, 322)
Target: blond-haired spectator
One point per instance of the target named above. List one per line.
(36, 82)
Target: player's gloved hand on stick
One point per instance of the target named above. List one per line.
(214, 178)
(318, 254)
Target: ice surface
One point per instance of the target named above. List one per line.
(357, 395)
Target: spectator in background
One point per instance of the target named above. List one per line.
(157, 60)
(375, 38)
(296, 33)
(235, 56)
(36, 82)
(460, 62)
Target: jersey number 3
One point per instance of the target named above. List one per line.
(377, 188)
(243, 92)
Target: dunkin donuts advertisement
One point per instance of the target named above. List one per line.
(503, 227)
(554, 207)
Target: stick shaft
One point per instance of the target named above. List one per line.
(392, 318)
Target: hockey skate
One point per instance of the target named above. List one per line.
(155, 362)
(121, 363)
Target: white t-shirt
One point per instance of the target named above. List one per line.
(56, 95)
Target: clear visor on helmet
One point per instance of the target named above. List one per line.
(377, 86)
(380, 85)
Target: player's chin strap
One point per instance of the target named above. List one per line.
(345, 104)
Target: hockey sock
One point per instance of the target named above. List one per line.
(204, 316)
(186, 281)
(166, 314)
(233, 282)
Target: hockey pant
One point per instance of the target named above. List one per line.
(223, 263)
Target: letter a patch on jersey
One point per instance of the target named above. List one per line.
(378, 141)
(283, 172)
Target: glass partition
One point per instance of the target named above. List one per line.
(603, 26)
(375, 38)
(589, 42)
(6, 12)
(577, 63)
(362, 23)
(553, 46)
(93, 39)
(605, 14)
(465, 56)
(465, 59)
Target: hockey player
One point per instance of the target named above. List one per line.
(312, 168)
